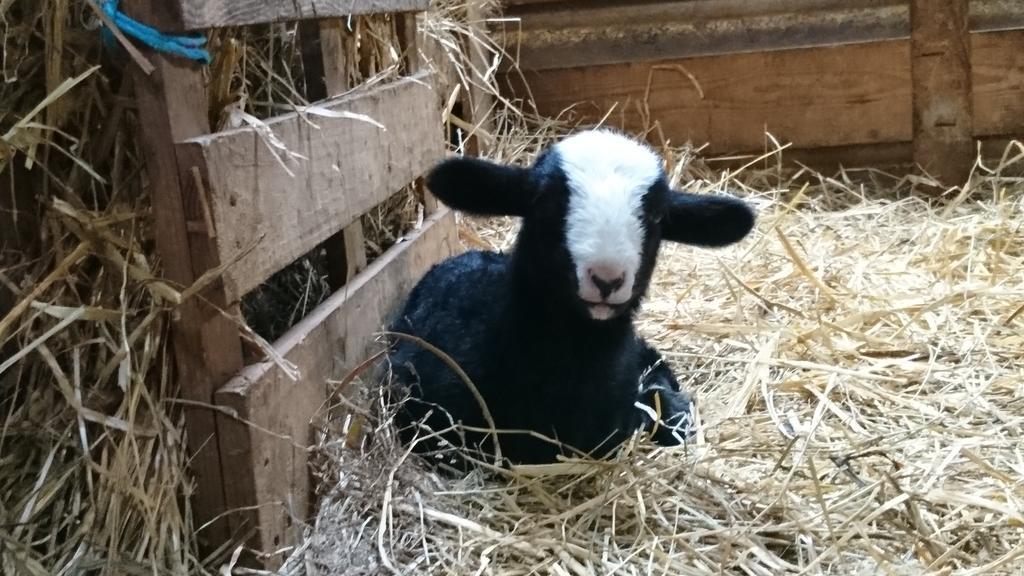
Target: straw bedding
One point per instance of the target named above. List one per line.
(858, 362)
(93, 476)
(859, 368)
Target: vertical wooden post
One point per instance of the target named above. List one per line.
(941, 76)
(352, 250)
(324, 60)
(480, 102)
(408, 39)
(172, 106)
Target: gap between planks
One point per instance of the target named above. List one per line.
(268, 451)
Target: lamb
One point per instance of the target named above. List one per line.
(545, 333)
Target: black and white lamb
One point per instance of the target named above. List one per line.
(545, 333)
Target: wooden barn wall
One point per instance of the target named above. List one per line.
(832, 98)
(229, 214)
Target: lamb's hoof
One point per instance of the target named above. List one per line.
(675, 411)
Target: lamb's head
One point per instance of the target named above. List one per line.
(595, 208)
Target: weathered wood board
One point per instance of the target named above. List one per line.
(202, 14)
(940, 66)
(571, 34)
(997, 83)
(278, 208)
(815, 97)
(324, 61)
(271, 461)
(172, 106)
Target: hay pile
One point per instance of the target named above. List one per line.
(92, 451)
(859, 368)
(858, 361)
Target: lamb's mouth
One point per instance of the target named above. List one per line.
(603, 310)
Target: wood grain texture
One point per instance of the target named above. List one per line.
(408, 30)
(816, 97)
(324, 60)
(172, 106)
(997, 80)
(203, 14)
(941, 79)
(590, 33)
(347, 167)
(580, 35)
(895, 157)
(335, 338)
(480, 102)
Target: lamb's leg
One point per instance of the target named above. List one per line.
(666, 409)
(428, 412)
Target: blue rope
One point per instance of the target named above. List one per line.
(191, 47)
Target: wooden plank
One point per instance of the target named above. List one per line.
(529, 2)
(604, 34)
(480, 102)
(172, 106)
(895, 158)
(347, 167)
(814, 97)
(324, 62)
(817, 97)
(347, 257)
(583, 34)
(996, 15)
(203, 14)
(335, 338)
(409, 39)
(985, 15)
(997, 77)
(407, 28)
(941, 77)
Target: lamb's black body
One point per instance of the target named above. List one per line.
(545, 332)
(538, 365)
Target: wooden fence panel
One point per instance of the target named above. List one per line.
(269, 451)
(172, 106)
(997, 81)
(940, 66)
(819, 97)
(325, 63)
(203, 14)
(253, 200)
(814, 97)
(589, 34)
(286, 206)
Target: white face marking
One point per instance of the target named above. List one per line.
(608, 175)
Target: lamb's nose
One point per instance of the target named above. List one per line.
(607, 283)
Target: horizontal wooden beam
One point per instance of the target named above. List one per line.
(203, 14)
(269, 456)
(279, 205)
(894, 157)
(816, 97)
(587, 14)
(571, 34)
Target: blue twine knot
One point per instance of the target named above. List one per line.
(191, 47)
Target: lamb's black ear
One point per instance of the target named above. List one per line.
(705, 220)
(481, 187)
